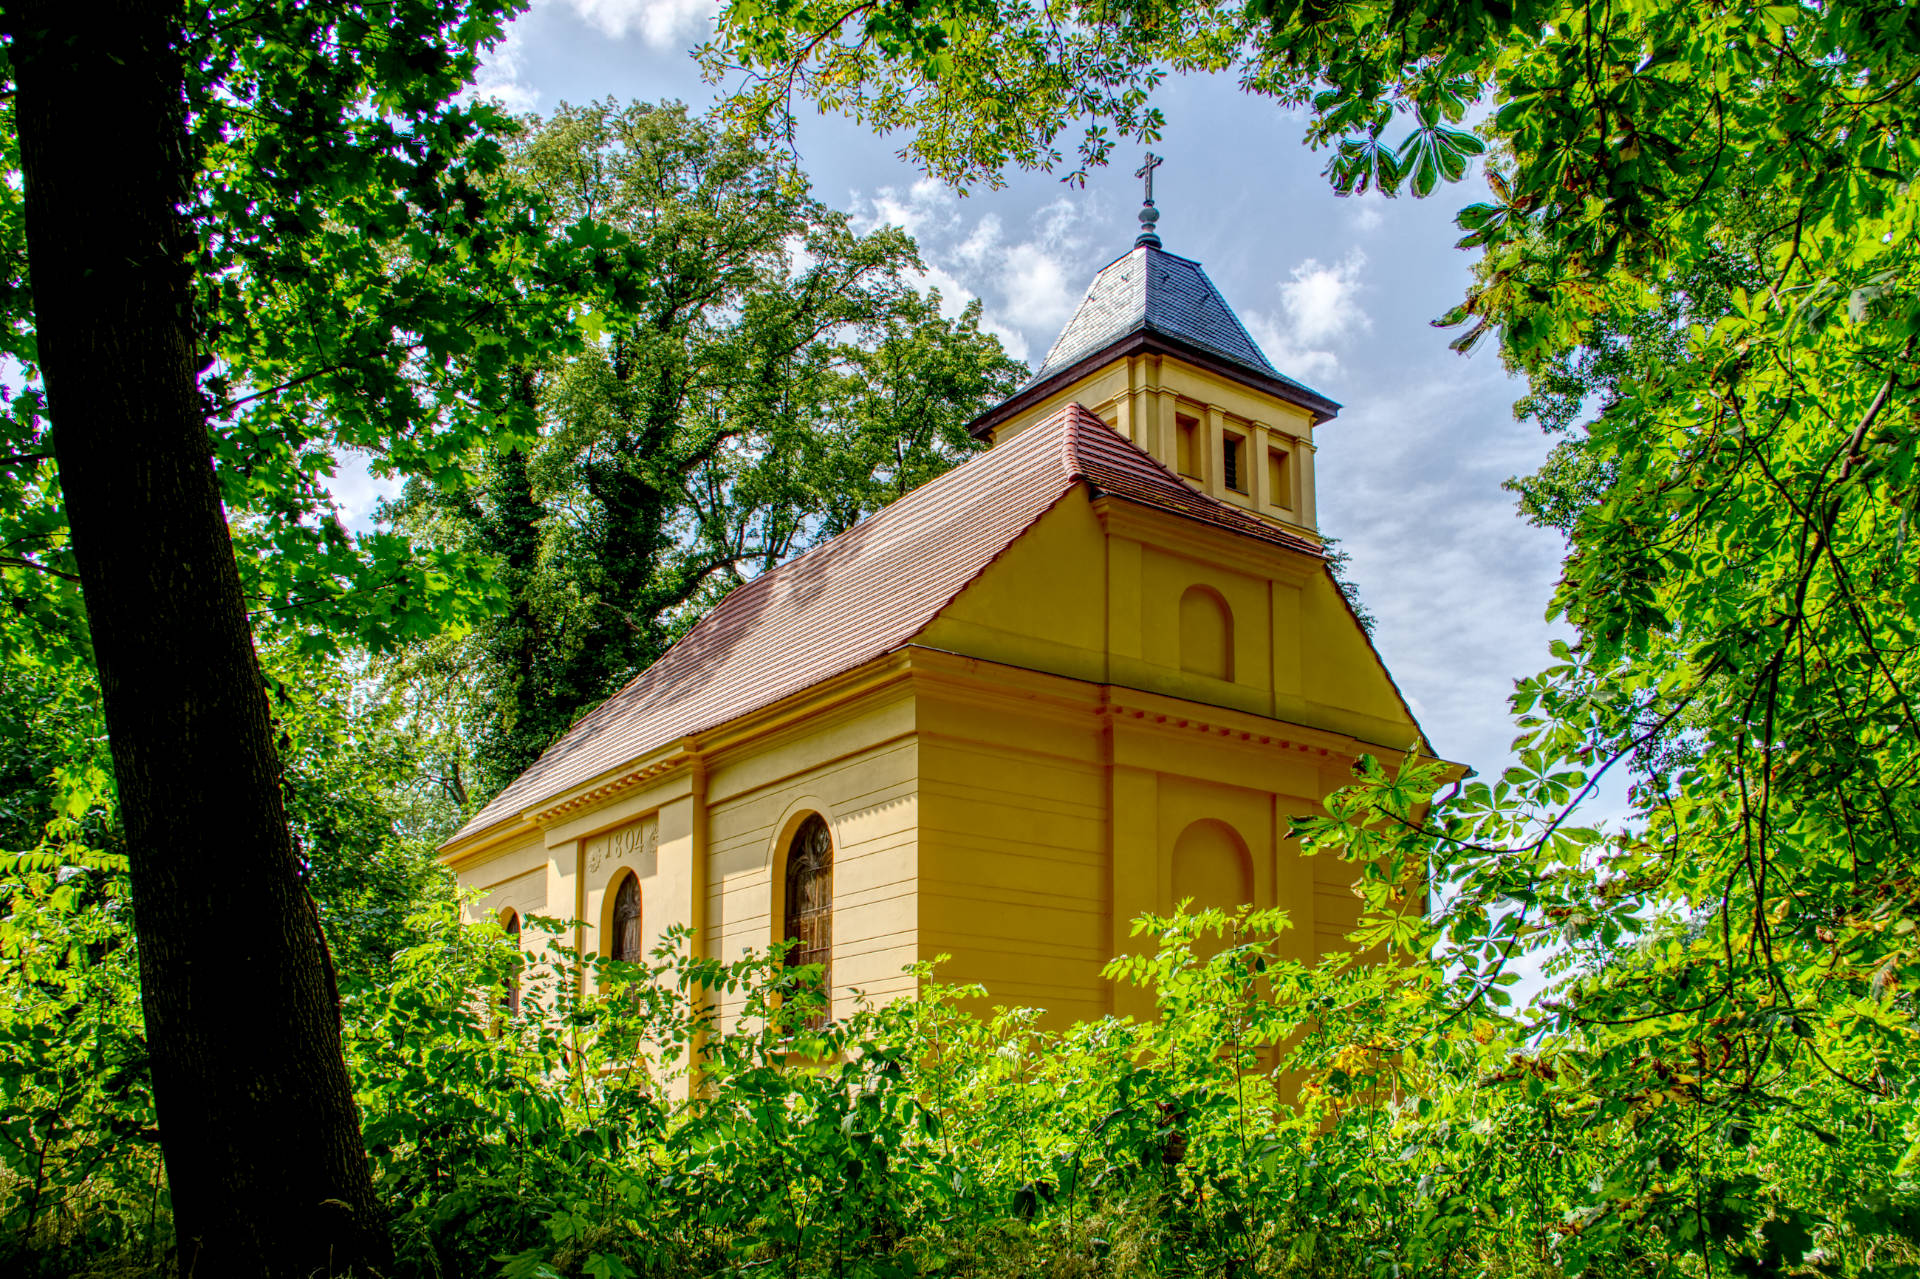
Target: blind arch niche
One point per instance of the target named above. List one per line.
(1206, 633)
(1212, 866)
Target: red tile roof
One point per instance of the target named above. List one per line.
(859, 596)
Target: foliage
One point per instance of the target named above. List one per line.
(771, 379)
(1339, 560)
(81, 1179)
(1275, 1118)
(81, 1182)
(1699, 246)
(80, 1176)
(366, 285)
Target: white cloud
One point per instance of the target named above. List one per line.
(657, 22)
(954, 295)
(924, 207)
(1321, 301)
(1288, 355)
(1030, 280)
(1013, 340)
(1319, 308)
(981, 241)
(357, 491)
(1371, 210)
(1458, 583)
(502, 76)
(1036, 285)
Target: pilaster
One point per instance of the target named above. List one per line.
(1135, 812)
(1213, 478)
(1303, 458)
(1166, 444)
(1123, 597)
(1285, 638)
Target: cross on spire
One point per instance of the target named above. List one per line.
(1148, 214)
(1146, 171)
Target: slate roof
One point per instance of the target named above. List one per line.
(1151, 290)
(859, 596)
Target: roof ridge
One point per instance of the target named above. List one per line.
(1075, 417)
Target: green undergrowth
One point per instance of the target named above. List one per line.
(1275, 1119)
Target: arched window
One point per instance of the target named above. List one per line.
(510, 923)
(623, 939)
(1206, 633)
(809, 898)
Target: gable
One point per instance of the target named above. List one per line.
(1343, 684)
(959, 542)
(1110, 593)
(1042, 604)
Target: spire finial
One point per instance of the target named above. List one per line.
(1148, 214)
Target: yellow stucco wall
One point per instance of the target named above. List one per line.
(1014, 834)
(1017, 785)
(858, 769)
(1094, 590)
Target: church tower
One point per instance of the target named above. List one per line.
(1157, 354)
(1091, 673)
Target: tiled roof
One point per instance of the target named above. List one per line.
(858, 596)
(1155, 291)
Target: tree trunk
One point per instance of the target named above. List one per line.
(258, 1125)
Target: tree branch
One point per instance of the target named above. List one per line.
(20, 561)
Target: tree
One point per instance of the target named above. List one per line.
(1701, 228)
(272, 217)
(772, 380)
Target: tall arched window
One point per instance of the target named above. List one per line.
(809, 898)
(1206, 633)
(623, 942)
(510, 922)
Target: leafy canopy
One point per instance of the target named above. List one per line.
(366, 283)
(1700, 247)
(772, 378)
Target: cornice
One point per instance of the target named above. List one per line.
(1149, 342)
(1198, 539)
(980, 680)
(689, 753)
(684, 756)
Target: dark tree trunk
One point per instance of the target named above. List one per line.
(258, 1125)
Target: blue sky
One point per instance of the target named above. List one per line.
(1338, 292)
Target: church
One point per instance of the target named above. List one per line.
(1091, 672)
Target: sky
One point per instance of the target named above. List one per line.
(1338, 292)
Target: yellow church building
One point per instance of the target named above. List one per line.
(1091, 672)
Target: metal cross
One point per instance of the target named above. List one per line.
(1146, 171)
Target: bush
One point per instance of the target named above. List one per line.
(1275, 1119)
